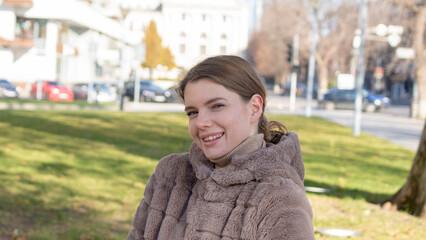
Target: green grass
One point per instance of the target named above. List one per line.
(80, 174)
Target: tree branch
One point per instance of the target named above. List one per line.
(412, 5)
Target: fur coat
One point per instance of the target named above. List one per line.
(259, 195)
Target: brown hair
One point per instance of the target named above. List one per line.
(238, 75)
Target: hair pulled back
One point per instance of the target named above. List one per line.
(237, 75)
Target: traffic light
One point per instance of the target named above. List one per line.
(289, 53)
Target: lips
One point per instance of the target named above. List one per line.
(212, 137)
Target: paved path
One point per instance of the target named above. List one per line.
(392, 124)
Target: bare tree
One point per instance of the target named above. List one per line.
(268, 47)
(412, 195)
(262, 55)
(337, 27)
(381, 54)
(418, 9)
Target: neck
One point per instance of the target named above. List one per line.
(249, 145)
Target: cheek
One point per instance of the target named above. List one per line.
(192, 129)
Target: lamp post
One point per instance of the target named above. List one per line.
(315, 4)
(360, 71)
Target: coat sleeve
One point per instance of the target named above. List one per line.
(142, 212)
(288, 215)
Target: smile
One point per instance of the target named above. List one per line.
(213, 137)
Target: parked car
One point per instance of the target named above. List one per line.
(53, 91)
(8, 89)
(101, 92)
(345, 99)
(149, 92)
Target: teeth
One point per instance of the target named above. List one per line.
(211, 138)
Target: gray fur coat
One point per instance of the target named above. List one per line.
(259, 195)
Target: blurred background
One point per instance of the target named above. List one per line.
(60, 50)
(87, 107)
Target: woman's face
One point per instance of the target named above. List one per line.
(219, 120)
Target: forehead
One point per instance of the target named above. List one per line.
(204, 89)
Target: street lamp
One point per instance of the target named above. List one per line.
(315, 4)
(360, 71)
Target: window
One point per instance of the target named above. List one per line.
(223, 36)
(182, 48)
(182, 34)
(98, 69)
(31, 30)
(204, 17)
(183, 16)
(203, 50)
(203, 35)
(25, 28)
(223, 50)
(224, 18)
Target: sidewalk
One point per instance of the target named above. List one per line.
(392, 124)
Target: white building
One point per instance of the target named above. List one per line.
(65, 40)
(193, 29)
(75, 42)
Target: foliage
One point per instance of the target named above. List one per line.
(80, 175)
(156, 54)
(168, 59)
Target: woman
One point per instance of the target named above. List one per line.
(242, 177)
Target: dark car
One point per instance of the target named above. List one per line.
(100, 93)
(8, 89)
(345, 99)
(149, 92)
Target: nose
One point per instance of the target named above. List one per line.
(203, 120)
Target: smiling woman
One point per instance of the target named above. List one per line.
(219, 120)
(243, 175)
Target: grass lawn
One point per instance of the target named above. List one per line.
(80, 174)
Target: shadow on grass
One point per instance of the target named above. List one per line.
(38, 193)
(55, 220)
(343, 192)
(142, 141)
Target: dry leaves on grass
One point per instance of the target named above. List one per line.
(15, 235)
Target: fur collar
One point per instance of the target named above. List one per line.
(282, 159)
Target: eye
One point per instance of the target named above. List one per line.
(191, 113)
(218, 105)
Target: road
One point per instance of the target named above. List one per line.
(391, 124)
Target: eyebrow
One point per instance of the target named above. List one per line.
(206, 103)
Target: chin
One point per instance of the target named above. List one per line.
(213, 155)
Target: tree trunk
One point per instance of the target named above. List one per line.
(412, 195)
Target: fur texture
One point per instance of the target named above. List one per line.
(259, 195)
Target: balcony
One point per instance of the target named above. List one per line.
(18, 3)
(17, 43)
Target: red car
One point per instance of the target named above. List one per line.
(53, 91)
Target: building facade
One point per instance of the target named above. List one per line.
(194, 29)
(73, 43)
(78, 41)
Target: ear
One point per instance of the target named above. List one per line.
(256, 107)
